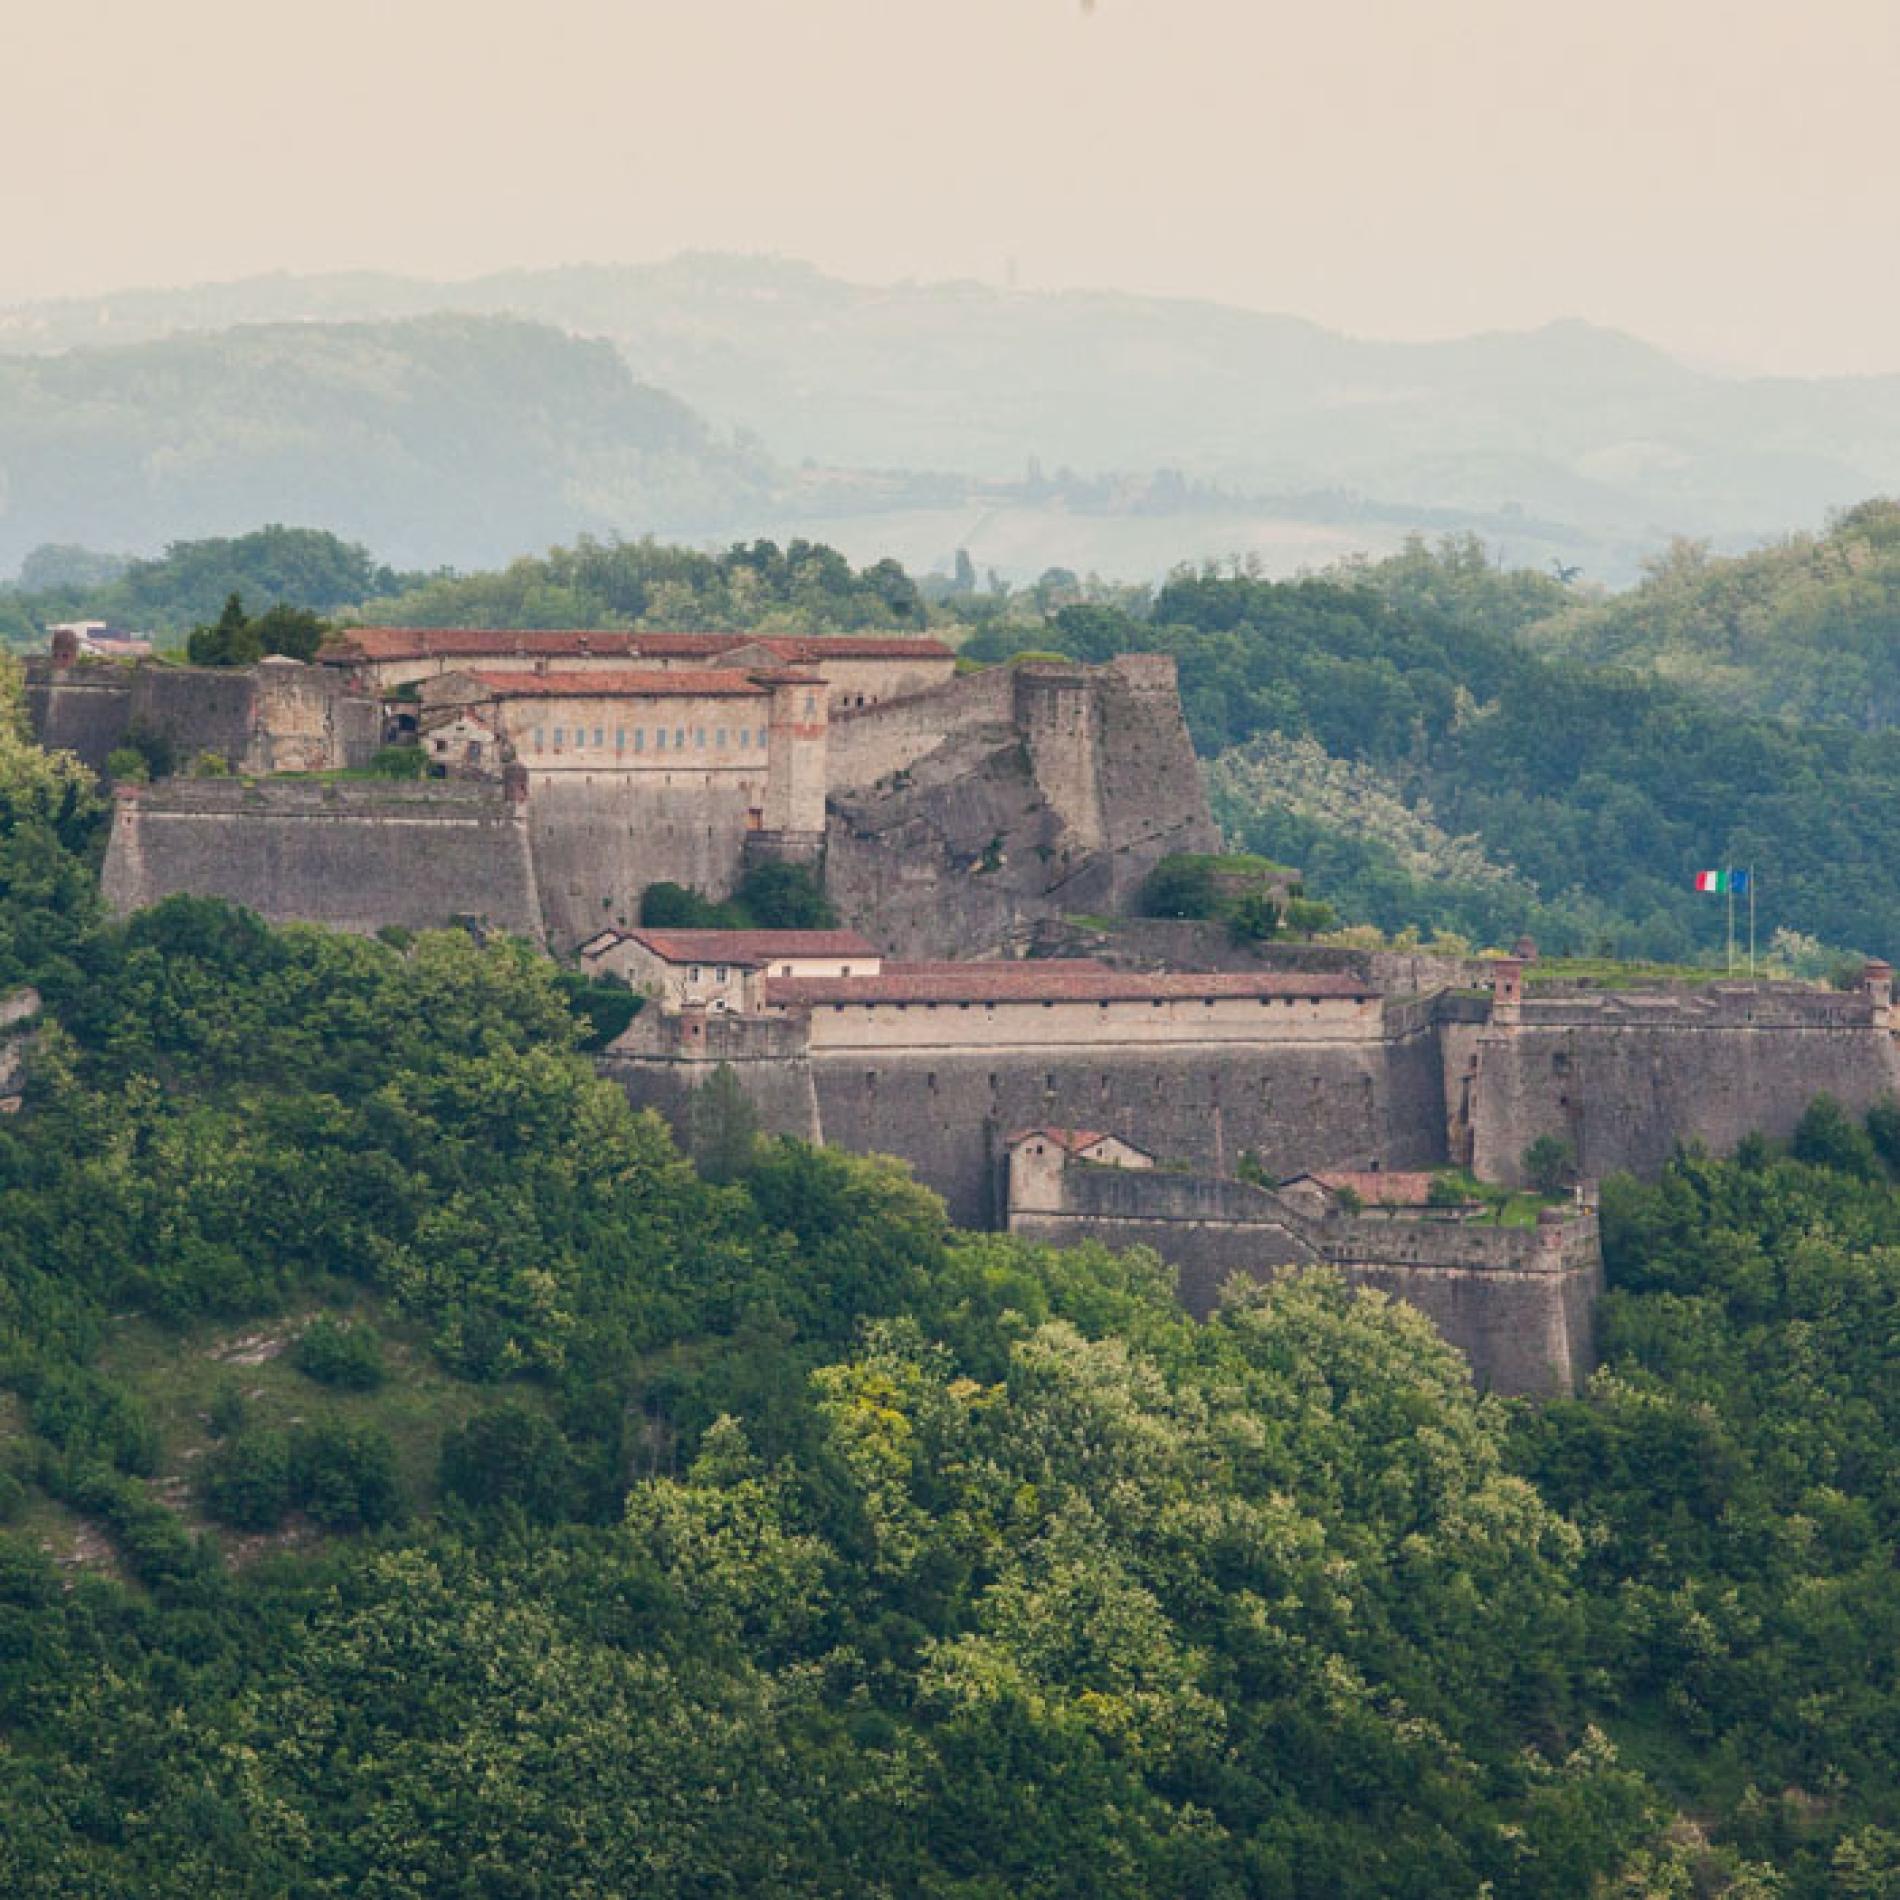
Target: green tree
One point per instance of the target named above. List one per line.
(1549, 1163)
(724, 1135)
(230, 640)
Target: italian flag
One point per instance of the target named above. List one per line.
(1720, 881)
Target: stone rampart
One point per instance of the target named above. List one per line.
(663, 1061)
(1517, 1302)
(271, 718)
(1624, 1079)
(599, 840)
(355, 855)
(868, 745)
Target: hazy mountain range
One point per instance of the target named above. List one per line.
(757, 394)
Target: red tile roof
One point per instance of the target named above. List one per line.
(429, 643)
(1073, 1141)
(727, 684)
(1047, 981)
(357, 644)
(750, 947)
(1378, 1189)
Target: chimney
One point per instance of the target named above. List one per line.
(65, 649)
(1507, 992)
(1876, 983)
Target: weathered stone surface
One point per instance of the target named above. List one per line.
(1517, 1302)
(355, 855)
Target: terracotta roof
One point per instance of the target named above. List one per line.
(428, 643)
(1047, 981)
(750, 947)
(1075, 1141)
(726, 684)
(1379, 1189)
(356, 644)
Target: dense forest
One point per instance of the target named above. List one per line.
(419, 1477)
(1488, 788)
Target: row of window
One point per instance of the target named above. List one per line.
(1155, 1002)
(663, 739)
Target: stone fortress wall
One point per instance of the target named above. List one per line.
(1519, 1302)
(277, 717)
(353, 854)
(960, 815)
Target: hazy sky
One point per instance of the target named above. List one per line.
(1716, 174)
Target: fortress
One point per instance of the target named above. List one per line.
(582, 767)
(968, 824)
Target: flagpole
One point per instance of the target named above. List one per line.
(1751, 923)
(1728, 884)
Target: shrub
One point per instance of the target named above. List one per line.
(125, 765)
(400, 761)
(344, 1476)
(227, 1412)
(666, 906)
(785, 897)
(1181, 887)
(1548, 1163)
(245, 1483)
(510, 1456)
(332, 1353)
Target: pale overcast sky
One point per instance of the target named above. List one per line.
(1716, 174)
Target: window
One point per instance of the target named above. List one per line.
(639, 738)
(659, 740)
(719, 974)
(620, 738)
(719, 738)
(695, 975)
(745, 738)
(600, 735)
(699, 737)
(811, 704)
(537, 738)
(761, 735)
(679, 738)
(560, 737)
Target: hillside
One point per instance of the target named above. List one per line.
(1806, 628)
(416, 1473)
(442, 439)
(1617, 443)
(1387, 729)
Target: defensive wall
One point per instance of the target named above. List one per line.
(277, 717)
(1293, 1083)
(964, 818)
(353, 854)
(1518, 1302)
(1393, 1082)
(1623, 1078)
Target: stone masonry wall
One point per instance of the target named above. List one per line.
(600, 839)
(355, 855)
(1517, 1302)
(1293, 1107)
(1625, 1079)
(274, 718)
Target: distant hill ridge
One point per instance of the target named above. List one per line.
(451, 437)
(1572, 422)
